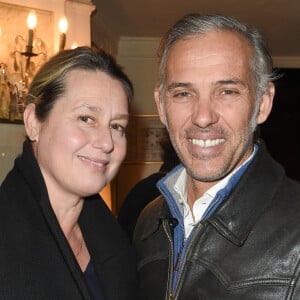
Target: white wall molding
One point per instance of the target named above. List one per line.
(78, 14)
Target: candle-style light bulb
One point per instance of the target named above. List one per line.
(63, 27)
(31, 23)
(74, 45)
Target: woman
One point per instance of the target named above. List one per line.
(58, 238)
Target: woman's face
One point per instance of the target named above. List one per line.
(81, 144)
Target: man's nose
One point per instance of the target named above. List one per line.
(204, 113)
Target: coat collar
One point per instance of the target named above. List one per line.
(252, 195)
(236, 216)
(27, 167)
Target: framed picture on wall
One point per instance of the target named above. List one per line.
(143, 134)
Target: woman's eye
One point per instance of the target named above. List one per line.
(118, 128)
(86, 119)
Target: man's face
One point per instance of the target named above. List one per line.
(208, 103)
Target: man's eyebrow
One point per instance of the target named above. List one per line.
(176, 84)
(230, 81)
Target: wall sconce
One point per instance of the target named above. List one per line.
(18, 71)
(34, 46)
(31, 23)
(22, 58)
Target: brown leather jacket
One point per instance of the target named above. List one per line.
(248, 249)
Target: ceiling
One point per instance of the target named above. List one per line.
(279, 20)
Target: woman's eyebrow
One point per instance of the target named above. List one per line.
(88, 106)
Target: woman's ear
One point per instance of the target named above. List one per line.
(32, 125)
(266, 104)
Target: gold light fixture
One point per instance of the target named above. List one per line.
(28, 68)
(26, 55)
(14, 84)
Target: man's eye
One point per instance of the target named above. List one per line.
(118, 128)
(229, 92)
(181, 94)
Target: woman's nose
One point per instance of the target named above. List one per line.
(102, 139)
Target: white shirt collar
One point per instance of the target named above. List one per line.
(192, 217)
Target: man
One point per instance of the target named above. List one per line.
(227, 223)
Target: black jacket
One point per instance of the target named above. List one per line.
(248, 249)
(36, 261)
(137, 198)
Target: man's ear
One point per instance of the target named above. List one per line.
(32, 125)
(266, 104)
(159, 105)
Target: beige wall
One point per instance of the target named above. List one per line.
(138, 56)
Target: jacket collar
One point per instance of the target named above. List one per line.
(252, 195)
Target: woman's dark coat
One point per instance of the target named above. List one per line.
(36, 261)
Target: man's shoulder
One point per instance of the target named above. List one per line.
(155, 209)
(151, 215)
